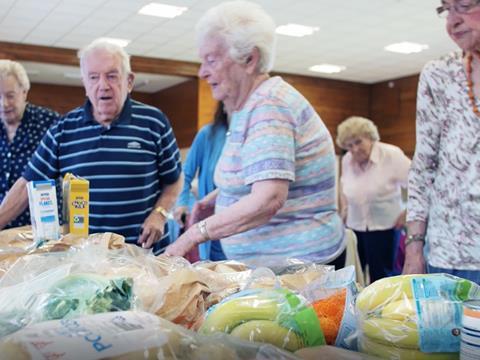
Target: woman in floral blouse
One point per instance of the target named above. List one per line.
(444, 181)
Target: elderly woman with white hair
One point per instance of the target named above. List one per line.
(276, 175)
(373, 174)
(22, 127)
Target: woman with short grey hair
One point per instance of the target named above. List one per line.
(373, 174)
(276, 175)
(21, 130)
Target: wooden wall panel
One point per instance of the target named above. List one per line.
(63, 98)
(190, 105)
(393, 107)
(333, 100)
(179, 103)
(206, 104)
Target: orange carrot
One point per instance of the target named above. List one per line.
(330, 312)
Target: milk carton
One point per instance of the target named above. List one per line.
(42, 199)
(75, 205)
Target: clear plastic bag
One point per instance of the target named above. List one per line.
(413, 316)
(276, 316)
(87, 279)
(128, 335)
(333, 297)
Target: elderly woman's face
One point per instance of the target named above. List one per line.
(221, 72)
(360, 147)
(464, 29)
(13, 99)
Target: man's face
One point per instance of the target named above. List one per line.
(13, 99)
(106, 85)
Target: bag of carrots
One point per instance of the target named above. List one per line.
(332, 297)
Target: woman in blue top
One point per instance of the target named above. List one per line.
(203, 156)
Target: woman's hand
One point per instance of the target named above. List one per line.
(183, 244)
(414, 259)
(203, 208)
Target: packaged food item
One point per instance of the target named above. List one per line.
(470, 346)
(333, 298)
(413, 316)
(127, 335)
(75, 205)
(42, 200)
(275, 316)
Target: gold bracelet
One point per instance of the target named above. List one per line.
(164, 212)
(202, 227)
(414, 238)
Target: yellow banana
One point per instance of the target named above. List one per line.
(385, 291)
(226, 316)
(392, 332)
(391, 352)
(268, 332)
(404, 309)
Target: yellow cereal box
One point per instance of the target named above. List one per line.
(75, 205)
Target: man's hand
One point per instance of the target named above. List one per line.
(182, 245)
(152, 230)
(414, 260)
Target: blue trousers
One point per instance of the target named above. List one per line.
(377, 249)
(472, 275)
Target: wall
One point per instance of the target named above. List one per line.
(333, 100)
(190, 105)
(65, 98)
(179, 103)
(393, 106)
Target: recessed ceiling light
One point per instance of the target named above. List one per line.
(162, 10)
(327, 68)
(116, 41)
(295, 30)
(406, 47)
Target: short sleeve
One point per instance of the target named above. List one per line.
(169, 163)
(269, 147)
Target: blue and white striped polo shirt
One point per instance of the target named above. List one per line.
(127, 163)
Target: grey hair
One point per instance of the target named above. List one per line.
(244, 26)
(15, 69)
(101, 44)
(356, 126)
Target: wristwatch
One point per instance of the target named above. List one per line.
(162, 211)
(415, 238)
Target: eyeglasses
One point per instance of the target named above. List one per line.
(460, 7)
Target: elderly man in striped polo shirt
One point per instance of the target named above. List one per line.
(126, 150)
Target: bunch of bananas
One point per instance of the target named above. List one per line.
(278, 317)
(388, 318)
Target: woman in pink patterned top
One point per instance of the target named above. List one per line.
(444, 182)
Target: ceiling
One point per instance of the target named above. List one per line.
(351, 33)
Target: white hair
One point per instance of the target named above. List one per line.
(15, 69)
(244, 26)
(101, 44)
(356, 126)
